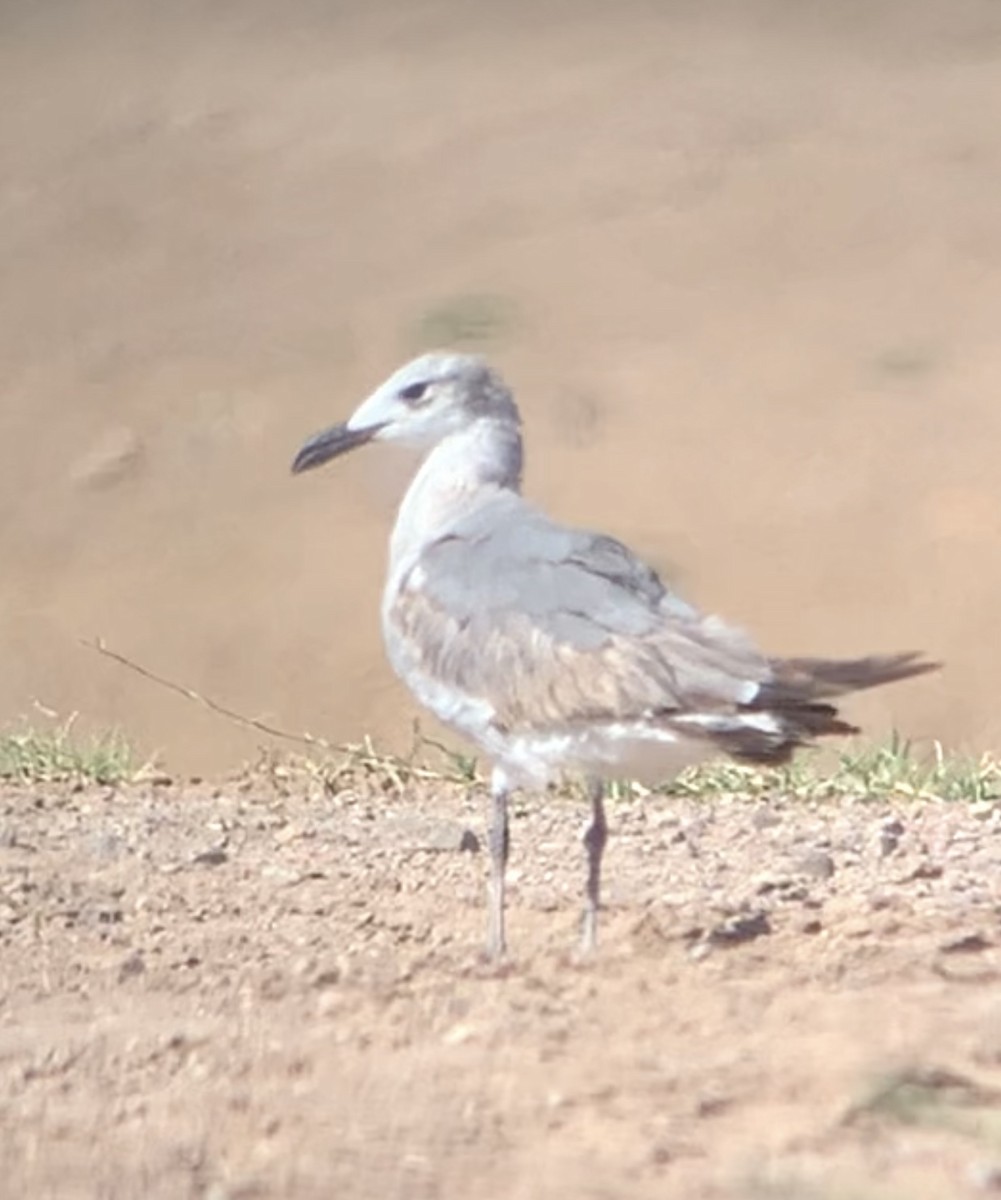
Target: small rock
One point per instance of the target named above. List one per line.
(281, 875)
(436, 835)
(711, 1106)
(737, 930)
(131, 966)
(329, 1002)
(211, 858)
(816, 864)
(108, 846)
(661, 1154)
(970, 943)
(459, 1034)
(924, 870)
(784, 888)
(889, 836)
(765, 818)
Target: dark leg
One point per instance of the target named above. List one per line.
(499, 840)
(595, 837)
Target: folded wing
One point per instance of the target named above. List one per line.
(557, 629)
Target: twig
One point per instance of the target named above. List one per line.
(364, 753)
(303, 739)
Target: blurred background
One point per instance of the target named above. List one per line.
(741, 262)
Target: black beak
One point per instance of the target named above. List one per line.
(322, 447)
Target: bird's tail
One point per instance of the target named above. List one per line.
(817, 678)
(794, 708)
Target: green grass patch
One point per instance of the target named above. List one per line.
(886, 770)
(55, 752)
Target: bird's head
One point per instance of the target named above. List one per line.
(423, 402)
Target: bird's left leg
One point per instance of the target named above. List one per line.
(595, 837)
(499, 841)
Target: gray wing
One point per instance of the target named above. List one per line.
(577, 586)
(558, 626)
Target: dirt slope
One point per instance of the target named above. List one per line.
(742, 262)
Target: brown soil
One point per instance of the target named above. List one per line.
(265, 990)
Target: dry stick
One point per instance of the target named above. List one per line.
(303, 739)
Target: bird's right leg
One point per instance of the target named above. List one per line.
(499, 840)
(595, 837)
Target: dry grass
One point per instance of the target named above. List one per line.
(52, 749)
(862, 771)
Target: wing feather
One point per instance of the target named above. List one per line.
(562, 627)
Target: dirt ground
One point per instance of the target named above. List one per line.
(266, 989)
(741, 260)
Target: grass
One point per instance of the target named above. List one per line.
(864, 770)
(895, 769)
(339, 767)
(912, 1097)
(916, 1095)
(55, 752)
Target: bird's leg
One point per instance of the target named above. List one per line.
(498, 837)
(595, 837)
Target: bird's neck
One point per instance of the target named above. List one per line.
(461, 470)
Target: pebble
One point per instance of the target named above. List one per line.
(131, 966)
(737, 930)
(816, 864)
(889, 836)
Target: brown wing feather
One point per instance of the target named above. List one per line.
(691, 673)
(535, 680)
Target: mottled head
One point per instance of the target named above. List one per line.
(420, 404)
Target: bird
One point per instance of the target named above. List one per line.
(555, 650)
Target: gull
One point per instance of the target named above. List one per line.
(557, 651)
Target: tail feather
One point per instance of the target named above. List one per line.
(797, 701)
(818, 677)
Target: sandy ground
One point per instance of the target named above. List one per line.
(742, 262)
(265, 989)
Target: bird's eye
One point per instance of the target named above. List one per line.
(415, 393)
